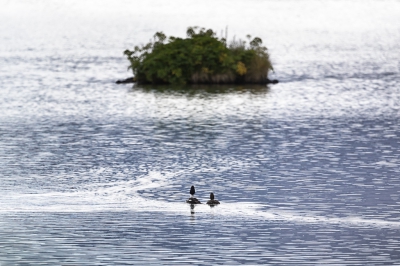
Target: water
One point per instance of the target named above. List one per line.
(93, 173)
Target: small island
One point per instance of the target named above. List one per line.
(201, 58)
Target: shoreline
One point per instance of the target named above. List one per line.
(133, 80)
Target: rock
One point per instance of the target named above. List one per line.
(274, 81)
(125, 81)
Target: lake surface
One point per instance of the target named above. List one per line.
(94, 173)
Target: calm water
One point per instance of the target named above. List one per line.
(93, 173)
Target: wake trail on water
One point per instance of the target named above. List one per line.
(125, 196)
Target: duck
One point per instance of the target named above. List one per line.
(192, 199)
(212, 201)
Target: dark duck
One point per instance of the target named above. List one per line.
(212, 201)
(192, 199)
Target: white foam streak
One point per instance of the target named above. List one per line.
(125, 196)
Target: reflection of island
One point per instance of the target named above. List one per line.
(202, 58)
(205, 90)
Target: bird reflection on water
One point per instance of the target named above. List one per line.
(192, 209)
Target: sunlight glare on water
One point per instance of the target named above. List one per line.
(307, 171)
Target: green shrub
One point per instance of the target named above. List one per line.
(200, 58)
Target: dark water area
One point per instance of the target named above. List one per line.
(125, 237)
(94, 173)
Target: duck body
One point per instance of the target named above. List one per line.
(193, 201)
(213, 202)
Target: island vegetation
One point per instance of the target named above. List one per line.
(201, 58)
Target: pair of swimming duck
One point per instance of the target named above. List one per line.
(193, 200)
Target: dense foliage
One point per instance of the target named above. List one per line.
(200, 58)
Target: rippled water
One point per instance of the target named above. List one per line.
(93, 173)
